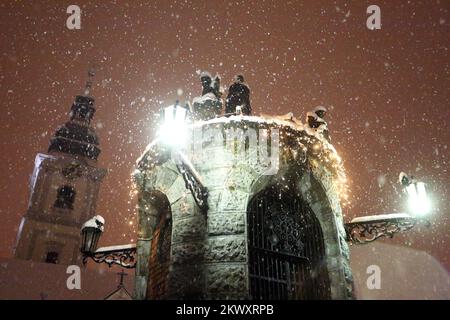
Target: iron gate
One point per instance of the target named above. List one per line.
(286, 248)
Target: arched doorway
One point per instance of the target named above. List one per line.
(159, 262)
(286, 247)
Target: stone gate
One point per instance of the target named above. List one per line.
(273, 224)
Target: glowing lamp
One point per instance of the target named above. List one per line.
(419, 204)
(174, 127)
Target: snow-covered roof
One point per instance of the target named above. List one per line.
(281, 120)
(309, 140)
(287, 120)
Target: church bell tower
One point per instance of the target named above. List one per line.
(64, 188)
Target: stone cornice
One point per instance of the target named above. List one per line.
(299, 145)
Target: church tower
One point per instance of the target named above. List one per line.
(64, 188)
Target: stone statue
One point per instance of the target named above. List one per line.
(209, 104)
(315, 121)
(238, 98)
(216, 87)
(206, 81)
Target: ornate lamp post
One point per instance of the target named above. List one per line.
(173, 130)
(370, 228)
(90, 234)
(124, 255)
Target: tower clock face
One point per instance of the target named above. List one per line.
(72, 171)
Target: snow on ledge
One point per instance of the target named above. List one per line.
(391, 216)
(287, 120)
(116, 248)
(266, 119)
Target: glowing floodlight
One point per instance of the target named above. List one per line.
(419, 204)
(174, 128)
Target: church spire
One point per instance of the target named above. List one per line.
(64, 188)
(83, 109)
(88, 87)
(77, 137)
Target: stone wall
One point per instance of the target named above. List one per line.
(209, 254)
(159, 264)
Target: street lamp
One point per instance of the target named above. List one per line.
(173, 132)
(174, 127)
(370, 228)
(123, 255)
(90, 234)
(418, 202)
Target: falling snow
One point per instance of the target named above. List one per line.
(386, 91)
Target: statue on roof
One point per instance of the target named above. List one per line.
(238, 99)
(209, 104)
(315, 120)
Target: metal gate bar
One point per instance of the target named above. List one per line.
(286, 248)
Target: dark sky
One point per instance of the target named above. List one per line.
(387, 90)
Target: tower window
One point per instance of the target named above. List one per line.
(52, 257)
(65, 197)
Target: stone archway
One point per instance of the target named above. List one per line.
(153, 245)
(167, 210)
(317, 189)
(160, 253)
(209, 252)
(286, 250)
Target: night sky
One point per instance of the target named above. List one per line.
(387, 91)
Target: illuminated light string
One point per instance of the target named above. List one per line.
(320, 151)
(131, 221)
